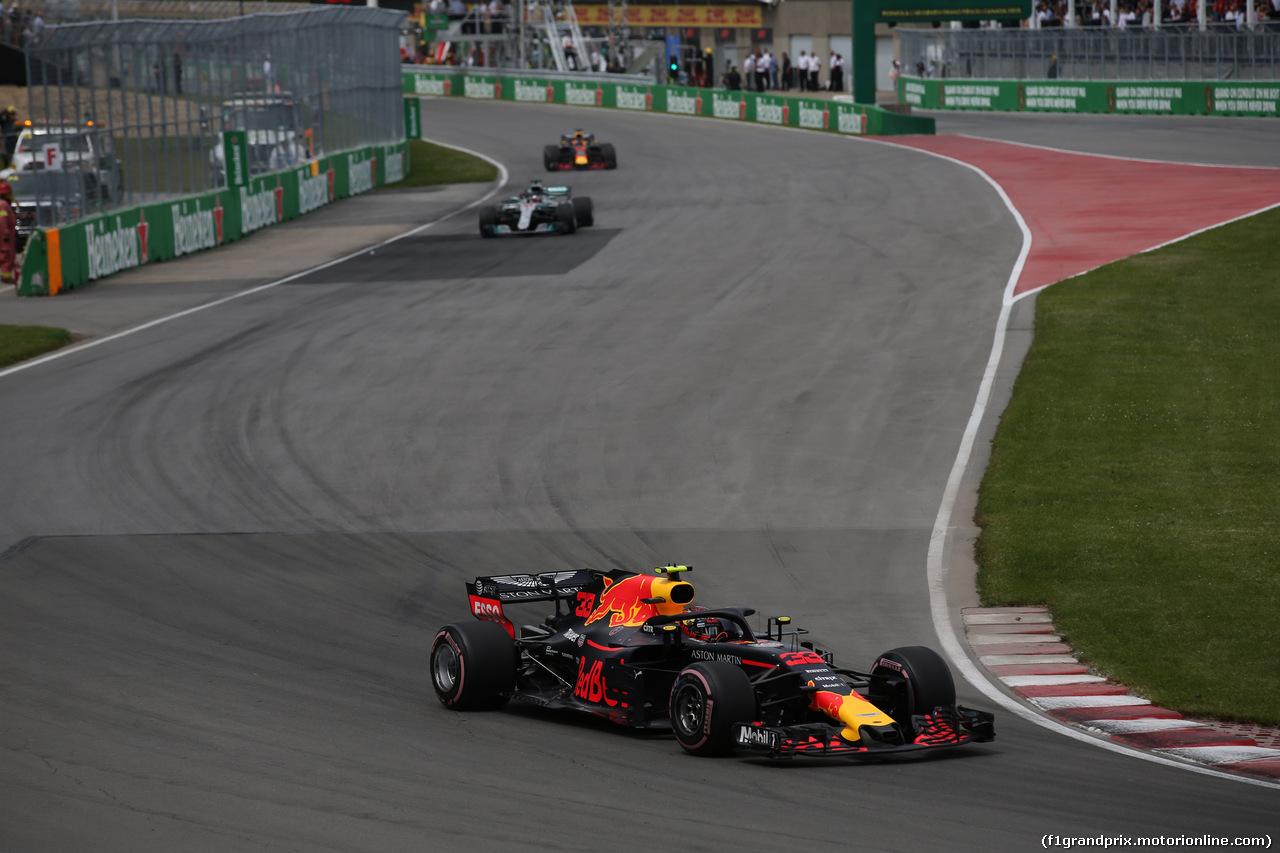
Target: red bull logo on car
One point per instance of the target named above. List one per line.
(621, 601)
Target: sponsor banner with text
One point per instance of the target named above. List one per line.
(782, 110)
(1162, 97)
(597, 15)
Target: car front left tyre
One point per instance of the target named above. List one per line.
(706, 700)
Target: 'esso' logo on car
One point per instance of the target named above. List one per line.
(480, 607)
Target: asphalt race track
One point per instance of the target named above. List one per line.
(228, 538)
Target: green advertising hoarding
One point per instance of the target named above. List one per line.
(64, 258)
(1163, 97)
(235, 159)
(811, 113)
(412, 118)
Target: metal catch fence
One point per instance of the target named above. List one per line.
(1092, 53)
(132, 112)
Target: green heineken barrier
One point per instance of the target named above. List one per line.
(1163, 97)
(59, 259)
(783, 110)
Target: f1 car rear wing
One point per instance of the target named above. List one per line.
(488, 594)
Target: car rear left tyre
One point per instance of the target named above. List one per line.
(706, 700)
(910, 680)
(584, 211)
(473, 666)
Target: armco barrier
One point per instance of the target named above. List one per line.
(1145, 97)
(59, 259)
(599, 91)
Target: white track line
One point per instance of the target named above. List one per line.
(63, 353)
(936, 569)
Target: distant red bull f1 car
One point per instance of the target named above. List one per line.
(634, 649)
(579, 150)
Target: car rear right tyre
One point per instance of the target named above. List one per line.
(567, 218)
(584, 211)
(473, 666)
(706, 700)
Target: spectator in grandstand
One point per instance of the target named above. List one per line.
(495, 15)
(762, 70)
(1235, 15)
(815, 65)
(773, 70)
(749, 70)
(732, 79)
(802, 72)
(788, 73)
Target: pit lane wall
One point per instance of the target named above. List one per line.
(599, 90)
(60, 259)
(1146, 97)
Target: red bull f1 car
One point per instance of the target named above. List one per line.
(538, 209)
(579, 150)
(636, 650)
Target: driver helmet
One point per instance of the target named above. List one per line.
(710, 629)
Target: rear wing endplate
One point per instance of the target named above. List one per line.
(487, 595)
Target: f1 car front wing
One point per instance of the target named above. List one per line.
(945, 727)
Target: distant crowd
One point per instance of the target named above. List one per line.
(762, 71)
(1140, 14)
(20, 27)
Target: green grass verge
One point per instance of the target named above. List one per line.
(18, 343)
(430, 165)
(1134, 484)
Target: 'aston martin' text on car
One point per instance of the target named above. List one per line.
(537, 209)
(579, 150)
(634, 649)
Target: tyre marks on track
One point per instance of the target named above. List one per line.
(451, 257)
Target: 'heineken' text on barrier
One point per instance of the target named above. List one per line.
(361, 175)
(393, 165)
(424, 85)
(314, 192)
(111, 247)
(257, 210)
(479, 89)
(632, 99)
(769, 113)
(536, 92)
(192, 232)
(684, 104)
